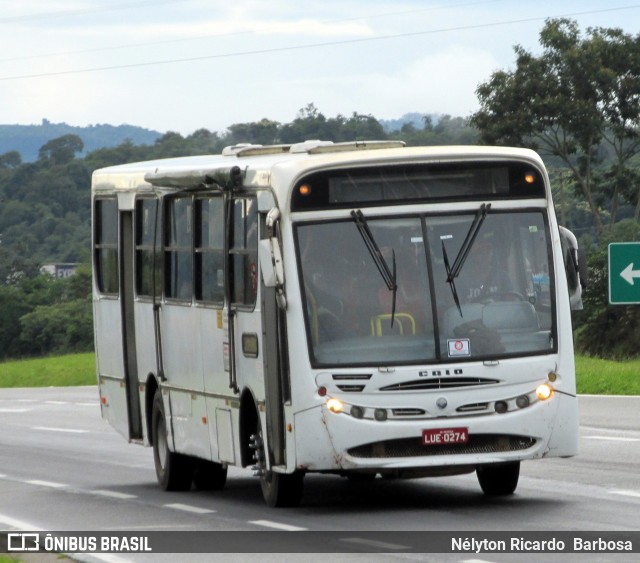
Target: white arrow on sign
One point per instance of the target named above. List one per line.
(629, 273)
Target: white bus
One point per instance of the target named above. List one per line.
(363, 309)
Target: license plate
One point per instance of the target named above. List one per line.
(440, 436)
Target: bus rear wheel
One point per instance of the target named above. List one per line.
(278, 489)
(173, 470)
(499, 479)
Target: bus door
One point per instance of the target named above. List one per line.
(127, 257)
(254, 361)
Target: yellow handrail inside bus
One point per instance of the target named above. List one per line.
(401, 319)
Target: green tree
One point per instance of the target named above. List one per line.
(578, 101)
(61, 150)
(13, 307)
(264, 132)
(309, 124)
(11, 159)
(608, 331)
(61, 328)
(358, 127)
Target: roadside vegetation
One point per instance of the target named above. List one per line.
(595, 376)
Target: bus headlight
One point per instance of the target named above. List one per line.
(335, 405)
(544, 391)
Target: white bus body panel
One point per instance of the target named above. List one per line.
(110, 363)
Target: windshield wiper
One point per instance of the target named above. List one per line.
(450, 279)
(388, 275)
(454, 271)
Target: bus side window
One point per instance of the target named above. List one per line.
(178, 248)
(146, 237)
(244, 252)
(106, 245)
(209, 250)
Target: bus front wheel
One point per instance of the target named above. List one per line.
(278, 489)
(173, 470)
(499, 479)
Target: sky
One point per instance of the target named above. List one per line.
(183, 65)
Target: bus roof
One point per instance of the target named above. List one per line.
(278, 166)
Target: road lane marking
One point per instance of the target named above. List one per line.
(56, 402)
(50, 484)
(18, 524)
(635, 494)
(376, 544)
(277, 525)
(15, 410)
(189, 508)
(67, 430)
(113, 494)
(613, 438)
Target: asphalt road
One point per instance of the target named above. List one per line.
(63, 468)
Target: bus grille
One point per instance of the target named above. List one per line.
(439, 383)
(350, 388)
(412, 447)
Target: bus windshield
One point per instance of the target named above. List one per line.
(499, 304)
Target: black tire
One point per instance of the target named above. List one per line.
(174, 471)
(279, 490)
(499, 479)
(209, 476)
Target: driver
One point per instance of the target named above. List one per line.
(483, 276)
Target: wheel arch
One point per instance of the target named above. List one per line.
(248, 424)
(151, 387)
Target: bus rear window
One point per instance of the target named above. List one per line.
(389, 185)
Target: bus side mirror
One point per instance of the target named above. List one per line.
(271, 262)
(575, 265)
(271, 267)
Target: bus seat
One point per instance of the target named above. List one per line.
(510, 316)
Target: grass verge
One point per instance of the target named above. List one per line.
(607, 377)
(55, 371)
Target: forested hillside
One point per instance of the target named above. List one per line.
(26, 140)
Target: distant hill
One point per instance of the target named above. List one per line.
(27, 139)
(414, 118)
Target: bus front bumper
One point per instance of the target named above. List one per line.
(339, 442)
